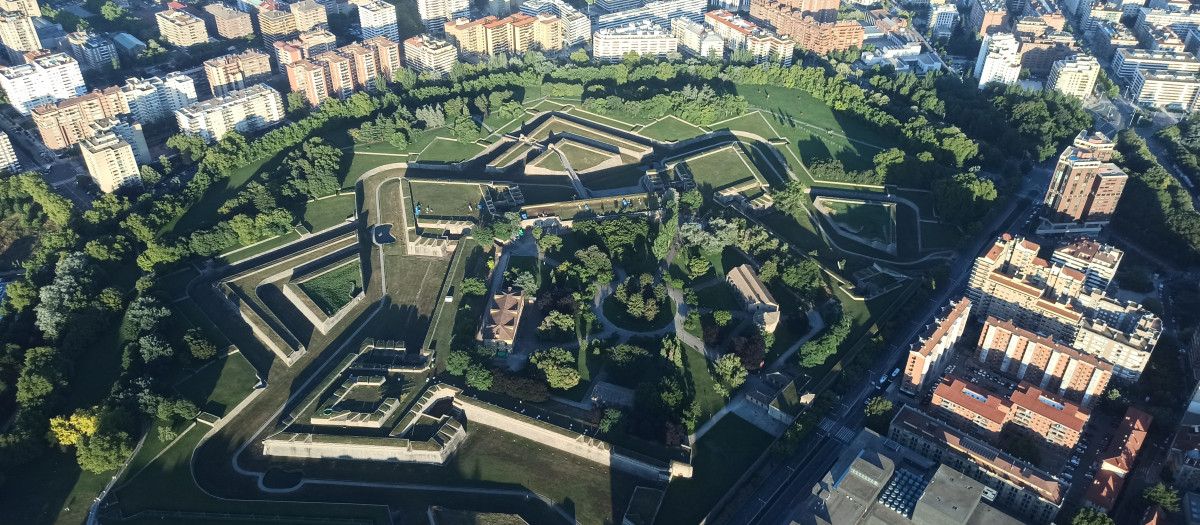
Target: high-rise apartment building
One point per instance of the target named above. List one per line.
(387, 56)
(1075, 76)
(1098, 262)
(1084, 188)
(181, 28)
(91, 50)
(1042, 361)
(237, 71)
(1128, 61)
(338, 73)
(697, 40)
(309, 15)
(65, 123)
(245, 111)
(8, 157)
(126, 130)
(999, 60)
(435, 13)
(425, 53)
(229, 23)
(740, 34)
(514, 34)
(307, 45)
(1117, 462)
(26, 7)
(1170, 89)
(942, 20)
(927, 356)
(1126, 340)
(378, 19)
(364, 67)
(1028, 410)
(276, 25)
(154, 98)
(816, 34)
(989, 16)
(45, 80)
(659, 12)
(17, 35)
(110, 162)
(308, 79)
(576, 27)
(647, 39)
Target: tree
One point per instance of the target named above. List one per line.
(751, 350)
(549, 243)
(479, 377)
(579, 56)
(1162, 495)
(103, 451)
(69, 430)
(1089, 516)
(154, 347)
(558, 365)
(697, 267)
(722, 317)
(557, 326)
(730, 374)
(692, 198)
(611, 417)
(199, 345)
(150, 176)
(166, 434)
(296, 103)
(457, 362)
(473, 286)
(963, 198)
(527, 282)
(877, 406)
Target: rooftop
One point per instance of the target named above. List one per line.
(1050, 406)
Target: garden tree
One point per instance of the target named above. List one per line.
(57, 207)
(641, 297)
(963, 198)
(312, 171)
(558, 365)
(768, 271)
(791, 199)
(527, 282)
(1162, 495)
(611, 417)
(191, 147)
(166, 434)
(877, 406)
(594, 265)
(69, 430)
(483, 104)
(804, 276)
(752, 350)
(198, 345)
(697, 267)
(150, 176)
(669, 227)
(579, 56)
(479, 377)
(518, 387)
(431, 115)
(814, 352)
(729, 373)
(144, 315)
(484, 235)
(473, 286)
(42, 376)
(1155, 208)
(722, 317)
(692, 198)
(103, 451)
(1090, 516)
(71, 291)
(556, 326)
(153, 347)
(549, 243)
(834, 170)
(619, 236)
(457, 362)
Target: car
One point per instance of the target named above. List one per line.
(895, 372)
(1066, 476)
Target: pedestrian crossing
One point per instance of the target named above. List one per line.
(831, 428)
(844, 435)
(827, 425)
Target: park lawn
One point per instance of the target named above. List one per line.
(720, 458)
(515, 151)
(328, 212)
(625, 123)
(940, 236)
(194, 317)
(873, 221)
(670, 129)
(800, 105)
(558, 125)
(335, 288)
(547, 105)
(446, 199)
(242, 253)
(448, 151)
(384, 148)
(610, 179)
(617, 314)
(52, 489)
(362, 163)
(720, 169)
(543, 193)
(152, 446)
(175, 283)
(549, 160)
(752, 122)
(718, 296)
(581, 157)
(441, 329)
(221, 385)
(702, 381)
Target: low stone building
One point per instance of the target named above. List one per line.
(755, 297)
(500, 322)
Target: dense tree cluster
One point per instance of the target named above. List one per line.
(1155, 209)
(641, 297)
(814, 352)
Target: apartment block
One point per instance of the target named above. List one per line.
(1039, 53)
(339, 73)
(575, 26)
(364, 67)
(245, 111)
(970, 408)
(741, 34)
(154, 98)
(999, 60)
(1084, 188)
(989, 16)
(1011, 282)
(44, 80)
(8, 157)
(126, 130)
(942, 20)
(514, 34)
(1163, 38)
(468, 35)
(425, 53)
(1044, 415)
(1117, 462)
(308, 79)
(1125, 341)
(307, 45)
(435, 13)
(91, 50)
(309, 15)
(181, 28)
(1020, 488)
(1042, 361)
(659, 12)
(229, 23)
(1127, 62)
(1029, 410)
(17, 35)
(821, 11)
(1174, 90)
(613, 6)
(387, 55)
(110, 162)
(276, 25)
(378, 19)
(26, 7)
(927, 356)
(1111, 36)
(697, 41)
(1075, 76)
(816, 35)
(236, 71)
(1098, 262)
(63, 124)
(646, 39)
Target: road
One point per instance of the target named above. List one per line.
(34, 156)
(790, 481)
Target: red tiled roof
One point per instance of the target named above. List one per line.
(1105, 489)
(1155, 516)
(1038, 401)
(956, 391)
(1127, 441)
(932, 340)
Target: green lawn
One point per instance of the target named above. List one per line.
(334, 289)
(193, 316)
(670, 129)
(205, 210)
(447, 200)
(702, 382)
(241, 254)
(360, 164)
(721, 168)
(800, 105)
(448, 150)
(516, 150)
(328, 212)
(717, 296)
(752, 122)
(221, 385)
(609, 179)
(623, 123)
(719, 459)
(581, 157)
(869, 220)
(557, 125)
(549, 160)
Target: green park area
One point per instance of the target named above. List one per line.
(549, 160)
(719, 459)
(870, 220)
(722, 168)
(219, 385)
(583, 157)
(446, 199)
(445, 150)
(333, 289)
(514, 152)
(670, 129)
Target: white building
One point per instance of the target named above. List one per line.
(1127, 61)
(154, 99)
(18, 35)
(110, 162)
(612, 6)
(661, 12)
(943, 19)
(741, 34)
(425, 53)
(8, 157)
(435, 13)
(244, 111)
(1075, 76)
(646, 39)
(696, 40)
(1170, 89)
(999, 60)
(91, 50)
(378, 18)
(576, 27)
(46, 80)
(130, 132)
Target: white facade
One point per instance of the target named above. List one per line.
(1165, 89)
(130, 132)
(8, 157)
(942, 20)
(18, 35)
(697, 41)
(425, 53)
(434, 13)
(244, 111)
(661, 13)
(1075, 76)
(154, 99)
(1128, 61)
(576, 27)
(110, 162)
(45, 81)
(378, 18)
(646, 39)
(999, 60)
(91, 50)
